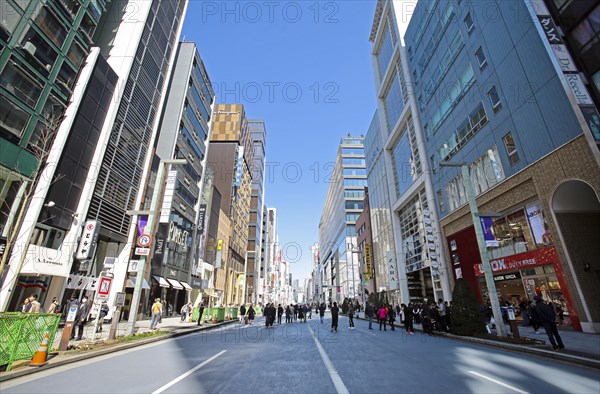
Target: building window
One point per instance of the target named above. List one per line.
(511, 149)
(393, 103)
(12, 118)
(441, 203)
(495, 99)
(481, 58)
(469, 23)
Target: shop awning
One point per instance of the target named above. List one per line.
(161, 281)
(131, 283)
(187, 287)
(175, 284)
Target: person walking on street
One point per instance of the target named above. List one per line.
(201, 312)
(288, 314)
(322, 311)
(369, 312)
(351, 316)
(392, 317)
(157, 309)
(279, 313)
(382, 316)
(408, 319)
(547, 316)
(443, 312)
(81, 318)
(251, 314)
(103, 312)
(334, 317)
(305, 310)
(34, 305)
(242, 313)
(185, 309)
(534, 319)
(55, 306)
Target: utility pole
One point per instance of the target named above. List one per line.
(137, 291)
(485, 260)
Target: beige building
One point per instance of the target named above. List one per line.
(230, 158)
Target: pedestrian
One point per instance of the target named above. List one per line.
(25, 306)
(242, 313)
(184, 312)
(300, 313)
(561, 314)
(524, 314)
(72, 302)
(392, 317)
(251, 314)
(534, 319)
(369, 312)
(288, 314)
(427, 321)
(81, 318)
(443, 312)
(407, 312)
(322, 311)
(34, 305)
(201, 312)
(334, 317)
(279, 313)
(547, 317)
(157, 310)
(305, 310)
(351, 316)
(310, 312)
(102, 314)
(382, 317)
(54, 306)
(295, 312)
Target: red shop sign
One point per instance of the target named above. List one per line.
(523, 260)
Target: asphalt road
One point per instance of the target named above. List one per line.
(308, 358)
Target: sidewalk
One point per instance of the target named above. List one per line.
(170, 324)
(173, 325)
(580, 348)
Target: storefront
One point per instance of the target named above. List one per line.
(523, 258)
(526, 275)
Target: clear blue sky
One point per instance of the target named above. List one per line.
(303, 67)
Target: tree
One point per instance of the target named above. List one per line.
(465, 316)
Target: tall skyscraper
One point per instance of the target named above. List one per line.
(337, 232)
(416, 271)
(118, 140)
(230, 158)
(46, 47)
(504, 99)
(183, 134)
(255, 222)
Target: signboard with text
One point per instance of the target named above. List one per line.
(87, 244)
(519, 261)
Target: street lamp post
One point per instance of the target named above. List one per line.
(485, 260)
(137, 291)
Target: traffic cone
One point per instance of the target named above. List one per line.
(39, 358)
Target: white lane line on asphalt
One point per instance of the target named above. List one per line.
(508, 386)
(188, 373)
(340, 387)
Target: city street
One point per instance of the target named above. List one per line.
(303, 358)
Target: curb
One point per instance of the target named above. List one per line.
(568, 358)
(5, 376)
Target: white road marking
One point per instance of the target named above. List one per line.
(188, 373)
(508, 386)
(335, 377)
